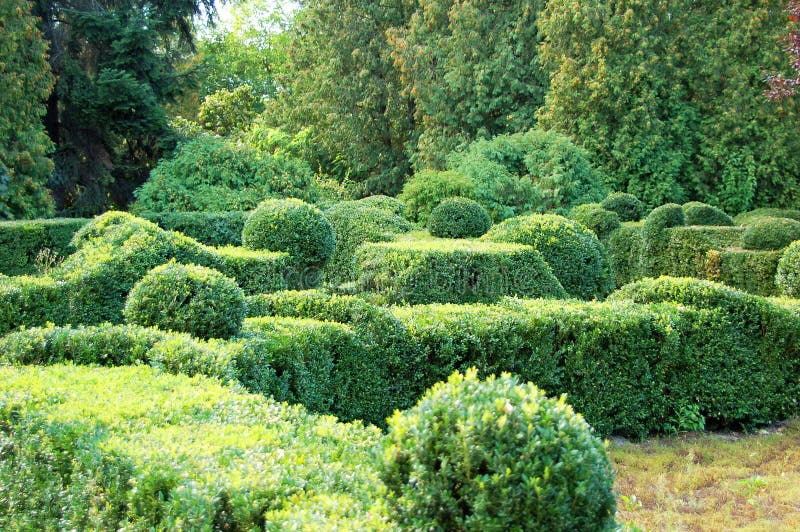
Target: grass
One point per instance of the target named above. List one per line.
(711, 481)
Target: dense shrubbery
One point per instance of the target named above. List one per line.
(697, 213)
(596, 218)
(24, 245)
(187, 298)
(291, 226)
(385, 203)
(627, 206)
(747, 218)
(787, 277)
(575, 255)
(495, 455)
(655, 236)
(771, 234)
(459, 218)
(455, 271)
(210, 228)
(425, 190)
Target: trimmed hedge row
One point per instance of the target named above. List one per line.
(129, 448)
(747, 218)
(23, 244)
(459, 271)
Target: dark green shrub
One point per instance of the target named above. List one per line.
(576, 256)
(215, 174)
(187, 298)
(459, 218)
(628, 207)
(624, 252)
(495, 455)
(596, 218)
(32, 247)
(385, 203)
(750, 271)
(291, 226)
(771, 234)
(423, 191)
(454, 271)
(696, 213)
(746, 218)
(210, 228)
(655, 237)
(787, 277)
(355, 223)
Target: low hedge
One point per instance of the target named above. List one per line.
(770, 234)
(24, 244)
(460, 271)
(129, 448)
(751, 271)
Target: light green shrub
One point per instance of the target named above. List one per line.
(596, 218)
(655, 237)
(747, 218)
(787, 276)
(423, 191)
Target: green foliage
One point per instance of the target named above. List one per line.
(787, 277)
(294, 227)
(455, 271)
(655, 237)
(226, 112)
(388, 204)
(627, 206)
(624, 252)
(576, 257)
(747, 218)
(357, 222)
(190, 299)
(750, 271)
(697, 213)
(596, 218)
(210, 228)
(472, 72)
(668, 97)
(536, 170)
(22, 243)
(423, 191)
(459, 218)
(495, 455)
(215, 174)
(24, 144)
(129, 447)
(771, 234)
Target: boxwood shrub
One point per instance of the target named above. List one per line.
(747, 218)
(655, 237)
(578, 259)
(628, 207)
(697, 213)
(423, 191)
(596, 218)
(769, 234)
(495, 455)
(624, 252)
(29, 247)
(787, 276)
(458, 271)
(388, 204)
(459, 218)
(210, 228)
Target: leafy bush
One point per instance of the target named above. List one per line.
(771, 234)
(385, 203)
(787, 277)
(577, 258)
(215, 174)
(22, 243)
(596, 218)
(425, 190)
(454, 271)
(696, 213)
(210, 228)
(357, 222)
(495, 455)
(627, 206)
(747, 218)
(291, 226)
(191, 299)
(459, 218)
(559, 172)
(624, 252)
(655, 237)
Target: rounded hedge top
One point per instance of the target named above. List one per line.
(384, 203)
(495, 455)
(787, 278)
(697, 213)
(576, 256)
(190, 299)
(771, 234)
(627, 206)
(459, 218)
(596, 218)
(292, 226)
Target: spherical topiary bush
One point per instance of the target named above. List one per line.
(627, 206)
(696, 213)
(459, 218)
(771, 234)
(576, 256)
(495, 455)
(191, 299)
(787, 278)
(596, 218)
(292, 226)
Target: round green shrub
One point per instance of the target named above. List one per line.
(187, 298)
(495, 455)
(576, 256)
(459, 218)
(292, 226)
(787, 278)
(596, 218)
(385, 203)
(747, 218)
(627, 206)
(112, 227)
(425, 190)
(696, 213)
(771, 234)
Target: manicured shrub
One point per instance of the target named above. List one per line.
(187, 298)
(32, 301)
(459, 218)
(750, 271)
(655, 237)
(495, 455)
(596, 218)
(291, 226)
(624, 252)
(771, 234)
(456, 271)
(210, 228)
(356, 222)
(747, 218)
(628, 207)
(423, 191)
(385, 203)
(31, 247)
(578, 259)
(787, 277)
(696, 213)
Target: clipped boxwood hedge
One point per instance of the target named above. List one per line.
(747, 218)
(459, 218)
(770, 234)
(628, 207)
(24, 244)
(596, 218)
(787, 276)
(697, 213)
(210, 228)
(459, 271)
